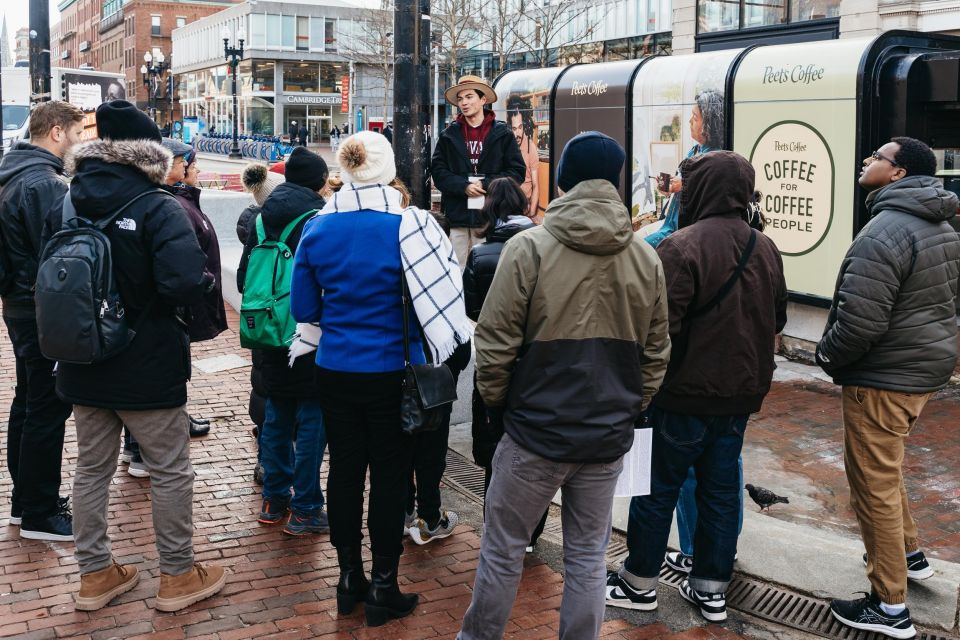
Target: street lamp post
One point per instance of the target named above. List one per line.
(151, 70)
(233, 56)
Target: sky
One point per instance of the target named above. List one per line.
(18, 14)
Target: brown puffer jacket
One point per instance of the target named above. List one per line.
(722, 361)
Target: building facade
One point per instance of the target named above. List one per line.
(295, 68)
(22, 44)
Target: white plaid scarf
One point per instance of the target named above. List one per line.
(429, 265)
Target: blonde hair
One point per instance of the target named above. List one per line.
(405, 198)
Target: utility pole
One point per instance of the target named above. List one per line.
(39, 51)
(411, 90)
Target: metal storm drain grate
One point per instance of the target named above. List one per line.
(746, 595)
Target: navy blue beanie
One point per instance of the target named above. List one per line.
(590, 156)
(120, 120)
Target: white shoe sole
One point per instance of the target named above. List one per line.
(922, 574)
(708, 615)
(138, 473)
(626, 603)
(176, 604)
(900, 634)
(92, 604)
(416, 537)
(676, 567)
(15, 522)
(43, 535)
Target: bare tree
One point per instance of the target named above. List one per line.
(455, 23)
(545, 23)
(498, 29)
(369, 42)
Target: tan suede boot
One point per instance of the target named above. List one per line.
(179, 592)
(98, 588)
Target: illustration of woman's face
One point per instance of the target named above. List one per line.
(696, 125)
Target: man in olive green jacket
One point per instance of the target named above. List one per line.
(572, 344)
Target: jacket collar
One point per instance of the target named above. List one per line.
(455, 134)
(148, 157)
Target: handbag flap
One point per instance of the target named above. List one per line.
(435, 384)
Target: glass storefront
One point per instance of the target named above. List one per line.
(731, 15)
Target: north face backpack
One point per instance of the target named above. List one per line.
(265, 320)
(80, 316)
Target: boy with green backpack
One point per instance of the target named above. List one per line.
(267, 327)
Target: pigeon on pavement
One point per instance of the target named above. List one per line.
(765, 497)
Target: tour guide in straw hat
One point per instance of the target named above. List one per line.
(470, 153)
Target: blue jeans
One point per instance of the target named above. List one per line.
(711, 445)
(687, 509)
(286, 465)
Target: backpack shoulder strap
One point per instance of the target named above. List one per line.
(261, 232)
(69, 212)
(103, 223)
(287, 230)
(732, 280)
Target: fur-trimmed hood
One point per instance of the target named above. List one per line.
(148, 157)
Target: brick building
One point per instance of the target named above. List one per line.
(22, 44)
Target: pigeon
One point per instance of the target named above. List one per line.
(765, 497)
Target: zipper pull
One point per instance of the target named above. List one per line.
(104, 307)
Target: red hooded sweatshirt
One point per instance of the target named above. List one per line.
(474, 136)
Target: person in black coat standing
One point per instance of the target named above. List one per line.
(470, 153)
(303, 135)
(31, 190)
(293, 132)
(158, 267)
(292, 406)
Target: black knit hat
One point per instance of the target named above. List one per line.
(306, 169)
(590, 156)
(120, 120)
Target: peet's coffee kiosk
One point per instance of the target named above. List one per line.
(804, 114)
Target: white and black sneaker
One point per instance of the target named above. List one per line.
(917, 566)
(621, 594)
(713, 606)
(867, 614)
(679, 561)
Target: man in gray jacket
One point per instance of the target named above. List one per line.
(891, 341)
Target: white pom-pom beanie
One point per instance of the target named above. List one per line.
(366, 158)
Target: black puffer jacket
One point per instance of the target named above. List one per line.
(284, 205)
(450, 167)
(892, 324)
(31, 187)
(482, 264)
(158, 266)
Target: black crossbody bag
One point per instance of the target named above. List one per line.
(428, 390)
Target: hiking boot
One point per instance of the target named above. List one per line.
(353, 586)
(273, 511)
(917, 566)
(199, 583)
(56, 528)
(679, 561)
(98, 588)
(866, 613)
(713, 606)
(137, 468)
(409, 519)
(384, 600)
(422, 533)
(620, 594)
(302, 524)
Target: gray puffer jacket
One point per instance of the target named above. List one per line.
(892, 324)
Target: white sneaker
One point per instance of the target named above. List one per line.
(421, 534)
(138, 469)
(408, 520)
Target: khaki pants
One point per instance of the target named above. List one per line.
(875, 424)
(463, 240)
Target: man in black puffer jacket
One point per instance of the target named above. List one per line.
(891, 341)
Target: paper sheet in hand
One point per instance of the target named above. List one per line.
(634, 480)
(476, 202)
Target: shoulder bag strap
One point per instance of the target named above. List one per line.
(732, 280)
(404, 296)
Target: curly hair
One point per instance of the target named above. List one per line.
(517, 105)
(915, 157)
(710, 103)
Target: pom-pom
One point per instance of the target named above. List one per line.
(353, 155)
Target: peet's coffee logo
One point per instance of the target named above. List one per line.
(593, 88)
(795, 177)
(797, 75)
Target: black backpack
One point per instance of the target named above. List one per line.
(80, 317)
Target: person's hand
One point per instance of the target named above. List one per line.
(474, 189)
(675, 184)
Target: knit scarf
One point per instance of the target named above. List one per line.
(429, 265)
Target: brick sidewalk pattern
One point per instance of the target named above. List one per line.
(279, 587)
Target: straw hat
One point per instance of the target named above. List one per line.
(476, 83)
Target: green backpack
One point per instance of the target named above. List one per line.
(265, 320)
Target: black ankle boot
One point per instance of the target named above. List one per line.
(384, 600)
(353, 585)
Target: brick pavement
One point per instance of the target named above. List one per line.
(278, 587)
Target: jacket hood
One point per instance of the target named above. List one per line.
(288, 202)
(590, 218)
(146, 156)
(921, 196)
(488, 118)
(25, 156)
(715, 183)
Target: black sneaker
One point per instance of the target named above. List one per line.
(621, 594)
(679, 561)
(713, 606)
(56, 528)
(866, 614)
(917, 566)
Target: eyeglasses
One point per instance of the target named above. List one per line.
(876, 155)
